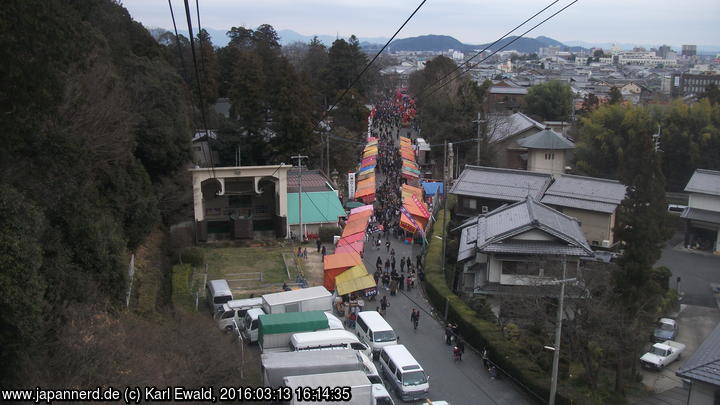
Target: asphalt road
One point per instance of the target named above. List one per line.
(459, 383)
(696, 271)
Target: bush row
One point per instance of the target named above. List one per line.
(479, 333)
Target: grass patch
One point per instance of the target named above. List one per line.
(182, 294)
(238, 265)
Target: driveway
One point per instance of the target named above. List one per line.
(695, 324)
(697, 270)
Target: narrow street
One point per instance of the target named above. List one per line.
(463, 382)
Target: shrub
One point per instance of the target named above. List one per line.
(328, 232)
(193, 256)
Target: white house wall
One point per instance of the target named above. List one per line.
(534, 235)
(704, 202)
(596, 226)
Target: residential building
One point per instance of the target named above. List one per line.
(480, 190)
(202, 153)
(702, 215)
(546, 152)
(684, 84)
(319, 208)
(702, 372)
(505, 132)
(592, 201)
(519, 246)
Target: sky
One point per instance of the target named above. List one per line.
(470, 21)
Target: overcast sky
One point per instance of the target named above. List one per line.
(470, 21)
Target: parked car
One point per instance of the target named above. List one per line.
(666, 329)
(662, 354)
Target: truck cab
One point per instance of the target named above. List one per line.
(235, 310)
(251, 324)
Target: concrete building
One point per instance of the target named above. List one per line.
(702, 371)
(702, 215)
(238, 202)
(483, 189)
(517, 247)
(684, 84)
(689, 50)
(592, 201)
(546, 152)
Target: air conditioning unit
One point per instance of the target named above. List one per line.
(606, 243)
(484, 209)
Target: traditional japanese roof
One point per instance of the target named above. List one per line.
(312, 180)
(704, 364)
(701, 215)
(508, 90)
(507, 126)
(500, 184)
(586, 193)
(546, 139)
(496, 232)
(705, 182)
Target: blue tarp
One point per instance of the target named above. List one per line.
(362, 169)
(432, 187)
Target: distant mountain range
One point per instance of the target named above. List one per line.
(437, 43)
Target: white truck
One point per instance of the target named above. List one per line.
(302, 300)
(360, 392)
(276, 366)
(275, 330)
(662, 354)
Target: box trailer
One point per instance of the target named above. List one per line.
(275, 330)
(302, 300)
(277, 366)
(360, 388)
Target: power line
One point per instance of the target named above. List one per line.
(503, 47)
(197, 80)
(185, 77)
(357, 78)
(489, 46)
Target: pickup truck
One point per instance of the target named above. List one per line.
(666, 329)
(662, 354)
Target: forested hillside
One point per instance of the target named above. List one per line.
(96, 127)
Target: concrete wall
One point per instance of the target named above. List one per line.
(702, 394)
(596, 226)
(704, 202)
(537, 161)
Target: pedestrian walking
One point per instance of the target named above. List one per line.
(384, 303)
(485, 358)
(304, 253)
(318, 244)
(387, 246)
(402, 264)
(461, 345)
(323, 252)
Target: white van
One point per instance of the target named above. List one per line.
(403, 373)
(327, 339)
(235, 310)
(381, 396)
(217, 293)
(251, 323)
(374, 331)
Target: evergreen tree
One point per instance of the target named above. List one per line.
(615, 96)
(552, 101)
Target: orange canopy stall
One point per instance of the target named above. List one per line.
(353, 227)
(336, 264)
(408, 190)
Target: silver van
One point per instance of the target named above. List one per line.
(235, 310)
(218, 293)
(403, 373)
(374, 331)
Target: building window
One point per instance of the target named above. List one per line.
(521, 268)
(470, 203)
(550, 156)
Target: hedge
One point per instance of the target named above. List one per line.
(480, 333)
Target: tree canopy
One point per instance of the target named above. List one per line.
(550, 101)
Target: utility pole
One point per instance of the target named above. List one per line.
(328, 154)
(300, 158)
(480, 130)
(445, 193)
(558, 331)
